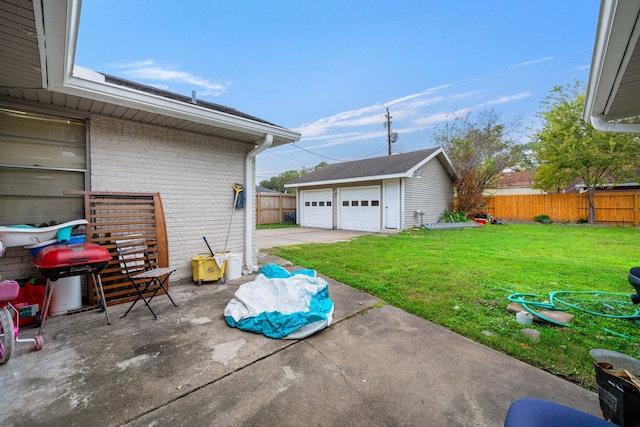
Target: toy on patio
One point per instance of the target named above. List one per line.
(26, 235)
(10, 320)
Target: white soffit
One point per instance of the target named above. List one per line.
(614, 82)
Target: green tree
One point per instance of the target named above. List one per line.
(481, 147)
(277, 182)
(566, 147)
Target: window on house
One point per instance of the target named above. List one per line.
(354, 203)
(321, 204)
(328, 203)
(345, 203)
(364, 203)
(307, 203)
(40, 157)
(314, 203)
(375, 203)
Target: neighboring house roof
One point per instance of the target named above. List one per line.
(614, 81)
(266, 190)
(37, 48)
(512, 183)
(613, 184)
(523, 179)
(627, 186)
(521, 182)
(387, 167)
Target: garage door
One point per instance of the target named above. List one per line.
(359, 208)
(316, 209)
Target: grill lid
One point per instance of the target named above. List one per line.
(60, 256)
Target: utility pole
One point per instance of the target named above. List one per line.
(391, 137)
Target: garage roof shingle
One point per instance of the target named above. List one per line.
(374, 167)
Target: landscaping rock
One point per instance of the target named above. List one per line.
(532, 333)
(556, 315)
(514, 307)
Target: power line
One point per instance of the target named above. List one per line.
(374, 154)
(316, 154)
(289, 158)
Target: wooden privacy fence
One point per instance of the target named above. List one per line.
(271, 207)
(612, 208)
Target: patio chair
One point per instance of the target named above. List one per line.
(144, 277)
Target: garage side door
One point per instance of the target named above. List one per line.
(359, 209)
(316, 209)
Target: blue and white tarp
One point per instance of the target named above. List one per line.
(280, 304)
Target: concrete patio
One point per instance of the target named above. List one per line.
(376, 365)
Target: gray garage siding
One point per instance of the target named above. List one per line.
(433, 193)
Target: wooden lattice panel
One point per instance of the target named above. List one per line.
(120, 216)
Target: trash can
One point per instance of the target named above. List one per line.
(67, 295)
(233, 269)
(205, 268)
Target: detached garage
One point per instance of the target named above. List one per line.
(378, 193)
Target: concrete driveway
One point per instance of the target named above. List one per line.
(272, 237)
(376, 365)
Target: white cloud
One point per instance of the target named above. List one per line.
(433, 119)
(411, 113)
(535, 61)
(580, 68)
(136, 64)
(405, 106)
(507, 99)
(147, 71)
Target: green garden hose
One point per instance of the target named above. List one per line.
(635, 315)
(554, 298)
(518, 298)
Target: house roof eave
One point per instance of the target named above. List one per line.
(60, 74)
(79, 85)
(615, 48)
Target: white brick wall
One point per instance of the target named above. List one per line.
(193, 174)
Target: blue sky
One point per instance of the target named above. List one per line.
(329, 69)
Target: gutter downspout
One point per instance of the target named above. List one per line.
(599, 123)
(249, 201)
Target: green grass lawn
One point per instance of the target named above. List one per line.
(461, 279)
